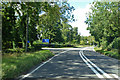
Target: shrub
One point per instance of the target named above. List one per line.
(16, 50)
(13, 66)
(115, 43)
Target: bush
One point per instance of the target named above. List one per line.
(36, 47)
(115, 44)
(37, 42)
(16, 50)
(112, 53)
(13, 66)
(103, 43)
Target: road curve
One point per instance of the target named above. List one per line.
(76, 63)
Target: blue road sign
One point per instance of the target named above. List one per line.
(28, 41)
(45, 40)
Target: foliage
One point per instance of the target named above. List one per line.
(111, 53)
(52, 25)
(103, 24)
(15, 50)
(115, 43)
(16, 16)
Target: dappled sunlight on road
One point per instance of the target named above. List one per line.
(66, 65)
(69, 65)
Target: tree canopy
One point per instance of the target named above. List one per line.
(40, 20)
(104, 24)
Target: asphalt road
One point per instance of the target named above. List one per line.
(76, 64)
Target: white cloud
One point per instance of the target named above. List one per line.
(80, 15)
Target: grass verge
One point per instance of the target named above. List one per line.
(112, 53)
(14, 65)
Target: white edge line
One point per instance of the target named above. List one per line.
(96, 72)
(116, 76)
(41, 65)
(94, 49)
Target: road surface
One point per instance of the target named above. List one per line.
(77, 64)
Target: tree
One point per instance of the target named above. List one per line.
(20, 15)
(15, 15)
(53, 22)
(8, 24)
(103, 21)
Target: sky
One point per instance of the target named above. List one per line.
(81, 8)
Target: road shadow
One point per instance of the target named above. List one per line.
(68, 65)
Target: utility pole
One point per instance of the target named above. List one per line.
(118, 26)
(27, 34)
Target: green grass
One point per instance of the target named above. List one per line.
(14, 65)
(112, 53)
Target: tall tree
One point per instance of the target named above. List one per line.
(103, 21)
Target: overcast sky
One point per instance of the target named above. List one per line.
(81, 8)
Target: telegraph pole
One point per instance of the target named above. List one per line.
(26, 34)
(118, 26)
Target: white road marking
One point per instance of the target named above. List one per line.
(93, 49)
(63, 48)
(41, 65)
(93, 69)
(97, 67)
(116, 76)
(105, 74)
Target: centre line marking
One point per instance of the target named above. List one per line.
(97, 67)
(93, 69)
(105, 74)
(115, 76)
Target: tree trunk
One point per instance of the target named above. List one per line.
(23, 44)
(13, 42)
